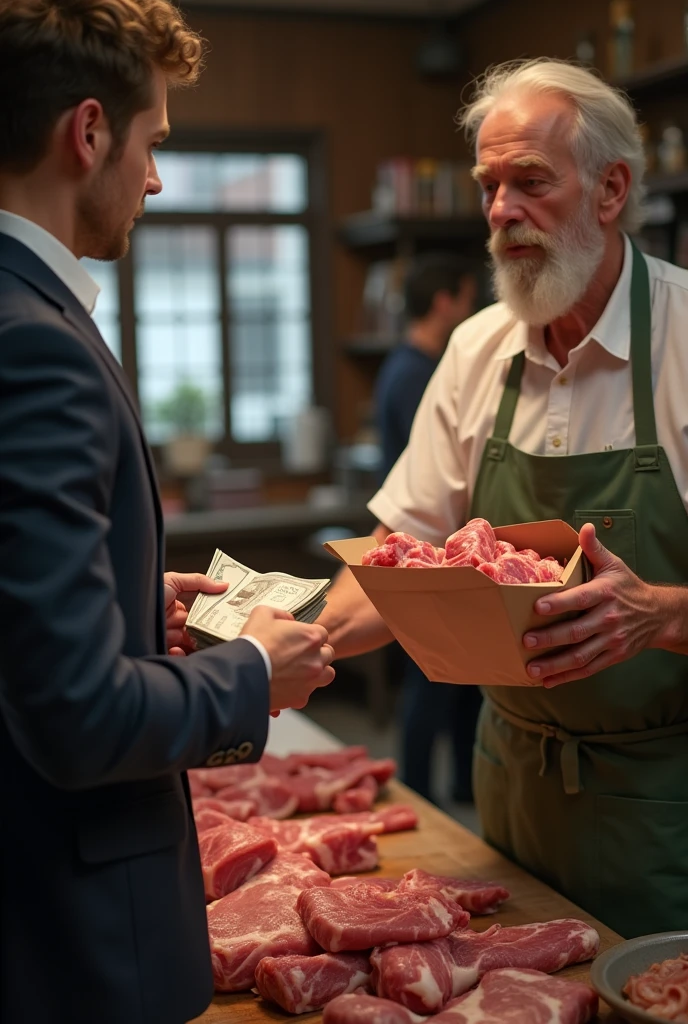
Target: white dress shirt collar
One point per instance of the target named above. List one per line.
(612, 330)
(54, 254)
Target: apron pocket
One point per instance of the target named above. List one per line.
(491, 798)
(615, 528)
(643, 864)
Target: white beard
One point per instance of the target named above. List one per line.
(539, 291)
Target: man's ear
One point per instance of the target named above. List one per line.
(614, 186)
(88, 134)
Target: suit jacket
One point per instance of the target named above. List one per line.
(102, 912)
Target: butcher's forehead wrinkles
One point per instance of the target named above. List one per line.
(532, 160)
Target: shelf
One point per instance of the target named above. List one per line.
(372, 345)
(371, 229)
(667, 184)
(659, 79)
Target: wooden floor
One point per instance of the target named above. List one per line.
(441, 846)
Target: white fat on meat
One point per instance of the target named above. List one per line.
(360, 916)
(300, 984)
(456, 963)
(260, 919)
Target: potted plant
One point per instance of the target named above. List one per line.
(185, 411)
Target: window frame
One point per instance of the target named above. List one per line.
(315, 219)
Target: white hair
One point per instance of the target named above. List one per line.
(605, 129)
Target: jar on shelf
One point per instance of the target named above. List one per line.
(671, 151)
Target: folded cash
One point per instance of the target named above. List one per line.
(214, 618)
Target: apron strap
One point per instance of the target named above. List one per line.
(641, 364)
(507, 408)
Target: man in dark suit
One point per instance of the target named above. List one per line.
(102, 912)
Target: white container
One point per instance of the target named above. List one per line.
(307, 439)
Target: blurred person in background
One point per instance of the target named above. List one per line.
(440, 292)
(102, 908)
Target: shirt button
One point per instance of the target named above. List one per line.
(563, 380)
(556, 441)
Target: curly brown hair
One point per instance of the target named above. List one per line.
(56, 53)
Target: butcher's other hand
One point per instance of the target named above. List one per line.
(620, 616)
(300, 654)
(181, 590)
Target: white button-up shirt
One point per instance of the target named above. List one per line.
(585, 406)
(57, 256)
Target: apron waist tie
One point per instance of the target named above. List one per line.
(570, 749)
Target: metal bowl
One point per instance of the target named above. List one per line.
(610, 971)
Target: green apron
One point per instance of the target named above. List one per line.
(586, 785)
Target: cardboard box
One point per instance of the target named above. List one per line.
(456, 623)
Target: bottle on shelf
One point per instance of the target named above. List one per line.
(622, 38)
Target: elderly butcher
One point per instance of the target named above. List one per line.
(567, 399)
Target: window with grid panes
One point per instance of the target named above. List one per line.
(217, 292)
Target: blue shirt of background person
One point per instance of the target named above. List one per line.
(440, 292)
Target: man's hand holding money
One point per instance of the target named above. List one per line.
(300, 654)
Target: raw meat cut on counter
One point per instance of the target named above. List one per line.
(346, 881)
(360, 797)
(240, 810)
(418, 975)
(230, 855)
(360, 916)
(510, 996)
(662, 989)
(300, 984)
(345, 780)
(342, 848)
(360, 1008)
(317, 788)
(339, 843)
(424, 975)
(475, 896)
(292, 835)
(260, 919)
(271, 794)
(208, 818)
(474, 545)
(503, 996)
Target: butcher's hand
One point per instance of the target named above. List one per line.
(300, 654)
(620, 616)
(181, 590)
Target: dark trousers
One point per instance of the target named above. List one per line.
(429, 709)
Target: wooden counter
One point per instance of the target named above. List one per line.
(441, 846)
